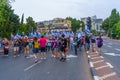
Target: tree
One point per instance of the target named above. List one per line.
(75, 23)
(9, 22)
(116, 30)
(31, 25)
(109, 24)
(105, 24)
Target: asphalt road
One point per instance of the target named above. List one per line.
(111, 53)
(21, 68)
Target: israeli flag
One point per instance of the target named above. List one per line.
(87, 29)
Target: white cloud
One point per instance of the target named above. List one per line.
(49, 9)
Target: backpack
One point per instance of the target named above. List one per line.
(36, 44)
(81, 41)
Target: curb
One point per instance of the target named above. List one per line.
(100, 69)
(93, 71)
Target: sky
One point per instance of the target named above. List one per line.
(48, 9)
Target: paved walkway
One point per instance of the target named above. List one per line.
(100, 69)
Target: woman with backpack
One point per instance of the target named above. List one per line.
(35, 49)
(99, 44)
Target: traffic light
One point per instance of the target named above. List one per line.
(89, 22)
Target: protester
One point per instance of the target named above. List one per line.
(52, 45)
(64, 45)
(75, 39)
(87, 42)
(99, 44)
(16, 47)
(26, 46)
(71, 42)
(55, 46)
(82, 43)
(93, 42)
(48, 45)
(43, 42)
(6, 46)
(35, 49)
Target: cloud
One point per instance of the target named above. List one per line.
(49, 9)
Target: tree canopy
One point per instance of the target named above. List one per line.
(76, 24)
(111, 23)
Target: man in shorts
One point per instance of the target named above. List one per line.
(42, 42)
(64, 45)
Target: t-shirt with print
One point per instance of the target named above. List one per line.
(42, 42)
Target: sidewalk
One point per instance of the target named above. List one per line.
(100, 69)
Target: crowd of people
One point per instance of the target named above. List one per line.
(57, 42)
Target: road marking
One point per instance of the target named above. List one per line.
(96, 78)
(109, 46)
(117, 49)
(110, 43)
(112, 54)
(98, 61)
(91, 64)
(96, 51)
(109, 65)
(95, 57)
(26, 69)
(71, 56)
(88, 56)
(102, 67)
(30, 56)
(101, 56)
(106, 76)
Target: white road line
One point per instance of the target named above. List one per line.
(109, 46)
(101, 56)
(109, 65)
(117, 49)
(88, 56)
(96, 52)
(104, 44)
(91, 64)
(96, 78)
(26, 69)
(110, 43)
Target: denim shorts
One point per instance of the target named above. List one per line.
(35, 50)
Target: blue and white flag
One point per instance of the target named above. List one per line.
(87, 29)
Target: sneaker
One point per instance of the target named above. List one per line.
(25, 56)
(61, 59)
(6, 55)
(36, 60)
(41, 58)
(87, 52)
(64, 59)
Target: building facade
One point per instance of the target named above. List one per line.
(55, 24)
(96, 23)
